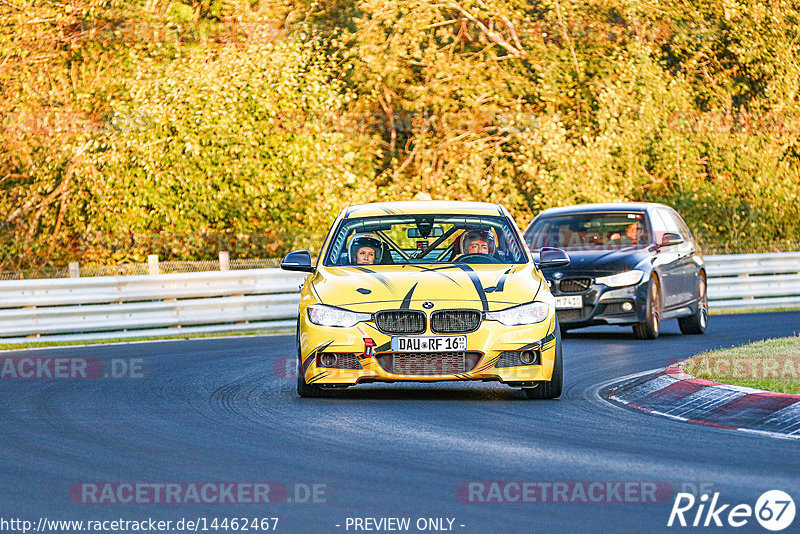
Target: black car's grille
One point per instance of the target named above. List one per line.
(571, 316)
(400, 322)
(455, 321)
(433, 363)
(575, 285)
(616, 309)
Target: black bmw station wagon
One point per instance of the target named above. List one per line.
(633, 264)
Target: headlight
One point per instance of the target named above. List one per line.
(525, 314)
(628, 278)
(330, 316)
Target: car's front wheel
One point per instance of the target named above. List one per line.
(649, 328)
(550, 389)
(696, 324)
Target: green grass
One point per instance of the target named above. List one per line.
(772, 365)
(36, 344)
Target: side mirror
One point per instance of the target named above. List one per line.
(670, 239)
(552, 257)
(299, 260)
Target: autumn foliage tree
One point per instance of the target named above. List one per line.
(153, 126)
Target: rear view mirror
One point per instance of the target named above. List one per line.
(552, 257)
(670, 239)
(300, 260)
(414, 233)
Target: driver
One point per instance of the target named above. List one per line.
(633, 233)
(476, 242)
(365, 249)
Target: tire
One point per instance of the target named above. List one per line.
(697, 323)
(303, 389)
(649, 328)
(550, 389)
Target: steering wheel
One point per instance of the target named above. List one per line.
(594, 239)
(476, 258)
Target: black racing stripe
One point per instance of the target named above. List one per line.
(383, 348)
(407, 299)
(319, 348)
(382, 279)
(318, 377)
(473, 276)
(502, 281)
(544, 341)
(537, 291)
(429, 270)
(486, 366)
(497, 288)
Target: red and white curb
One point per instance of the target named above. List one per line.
(673, 393)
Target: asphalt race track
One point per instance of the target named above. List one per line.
(216, 410)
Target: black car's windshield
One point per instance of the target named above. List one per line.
(426, 238)
(590, 231)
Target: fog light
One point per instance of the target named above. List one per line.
(627, 306)
(527, 357)
(327, 359)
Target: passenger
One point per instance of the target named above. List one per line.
(365, 249)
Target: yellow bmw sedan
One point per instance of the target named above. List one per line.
(427, 291)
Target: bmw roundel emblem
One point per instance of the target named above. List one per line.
(427, 305)
(558, 276)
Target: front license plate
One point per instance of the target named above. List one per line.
(429, 344)
(569, 302)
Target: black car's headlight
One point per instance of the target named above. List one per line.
(627, 278)
(533, 313)
(323, 315)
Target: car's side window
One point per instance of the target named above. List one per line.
(672, 225)
(659, 225)
(685, 232)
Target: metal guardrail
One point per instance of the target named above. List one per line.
(753, 281)
(266, 300)
(148, 305)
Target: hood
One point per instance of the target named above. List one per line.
(601, 262)
(487, 287)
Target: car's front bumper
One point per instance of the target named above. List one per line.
(602, 305)
(485, 347)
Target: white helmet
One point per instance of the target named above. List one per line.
(365, 240)
(470, 236)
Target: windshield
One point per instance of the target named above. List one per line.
(426, 239)
(590, 231)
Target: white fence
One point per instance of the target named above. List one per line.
(148, 305)
(266, 300)
(754, 281)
